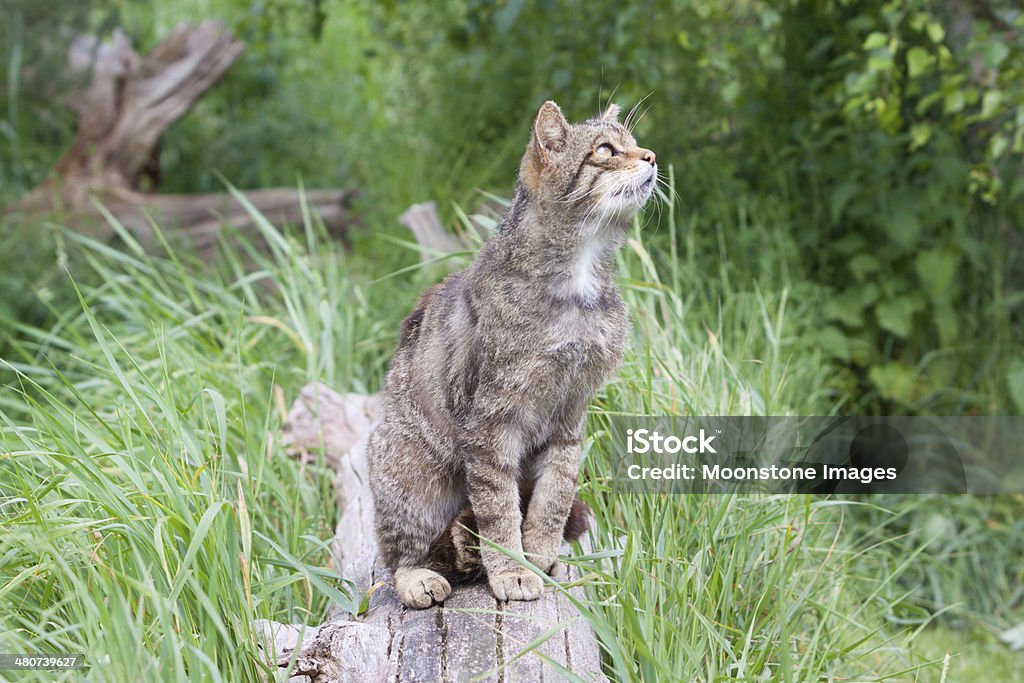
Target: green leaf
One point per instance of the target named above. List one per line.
(863, 265)
(904, 226)
(1017, 188)
(1015, 382)
(897, 314)
(894, 381)
(862, 347)
(880, 62)
(995, 53)
(202, 529)
(848, 244)
(731, 91)
(875, 40)
(920, 134)
(868, 294)
(506, 17)
(834, 342)
(847, 308)
(946, 323)
(990, 102)
(840, 197)
(954, 101)
(936, 269)
(918, 61)
(770, 18)
(926, 102)
(935, 31)
(997, 146)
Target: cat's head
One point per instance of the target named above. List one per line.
(593, 169)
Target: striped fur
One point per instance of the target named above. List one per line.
(489, 385)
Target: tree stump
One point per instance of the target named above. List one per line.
(471, 637)
(129, 104)
(422, 220)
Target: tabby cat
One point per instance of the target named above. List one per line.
(485, 397)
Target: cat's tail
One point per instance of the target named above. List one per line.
(455, 554)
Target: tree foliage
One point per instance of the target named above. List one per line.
(885, 138)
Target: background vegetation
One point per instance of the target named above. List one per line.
(845, 236)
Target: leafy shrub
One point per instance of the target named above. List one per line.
(889, 134)
(907, 136)
(886, 138)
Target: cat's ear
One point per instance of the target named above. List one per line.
(611, 113)
(550, 131)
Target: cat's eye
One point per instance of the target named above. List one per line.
(605, 150)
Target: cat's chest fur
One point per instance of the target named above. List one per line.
(576, 348)
(553, 363)
(564, 322)
(584, 281)
(578, 338)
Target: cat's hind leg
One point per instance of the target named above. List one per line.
(405, 532)
(414, 503)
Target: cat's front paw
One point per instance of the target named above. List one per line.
(519, 584)
(420, 588)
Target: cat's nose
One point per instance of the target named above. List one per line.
(648, 156)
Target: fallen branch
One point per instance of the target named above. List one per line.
(130, 103)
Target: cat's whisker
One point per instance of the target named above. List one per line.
(647, 221)
(601, 182)
(639, 118)
(590, 212)
(611, 97)
(569, 198)
(599, 185)
(663, 186)
(616, 184)
(632, 111)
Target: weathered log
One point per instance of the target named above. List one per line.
(422, 220)
(129, 104)
(434, 241)
(471, 637)
(1013, 638)
(197, 219)
(132, 101)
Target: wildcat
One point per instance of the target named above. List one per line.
(485, 398)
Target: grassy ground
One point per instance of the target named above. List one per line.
(974, 656)
(148, 516)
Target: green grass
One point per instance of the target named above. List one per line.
(974, 656)
(144, 497)
(148, 514)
